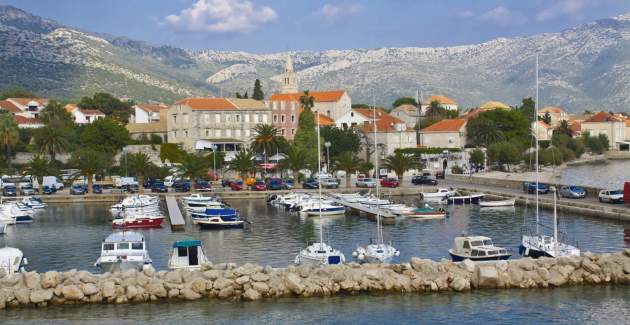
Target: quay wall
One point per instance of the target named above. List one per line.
(249, 282)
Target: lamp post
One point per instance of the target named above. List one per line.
(327, 144)
(214, 160)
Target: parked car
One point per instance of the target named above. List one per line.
(181, 186)
(365, 182)
(611, 196)
(439, 174)
(148, 183)
(310, 183)
(330, 183)
(48, 190)
(259, 186)
(236, 185)
(130, 188)
(289, 183)
(530, 187)
(227, 181)
(159, 187)
(9, 190)
(203, 185)
(97, 189)
(78, 189)
(572, 192)
(27, 190)
(424, 180)
(390, 182)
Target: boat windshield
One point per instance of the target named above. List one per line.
(123, 245)
(136, 246)
(477, 243)
(487, 242)
(493, 252)
(482, 253)
(108, 247)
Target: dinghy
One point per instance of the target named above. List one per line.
(501, 203)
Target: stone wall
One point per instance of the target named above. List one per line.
(253, 282)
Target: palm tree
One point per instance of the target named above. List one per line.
(9, 135)
(139, 164)
(348, 162)
(365, 167)
(483, 132)
(400, 163)
(265, 137)
(51, 140)
(193, 166)
(564, 128)
(90, 162)
(307, 101)
(243, 163)
(39, 167)
(296, 159)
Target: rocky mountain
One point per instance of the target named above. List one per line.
(585, 67)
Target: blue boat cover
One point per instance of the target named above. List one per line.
(221, 212)
(187, 243)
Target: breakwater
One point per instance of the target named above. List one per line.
(252, 282)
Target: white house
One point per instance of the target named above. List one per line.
(355, 118)
(544, 131)
(148, 113)
(83, 116)
(443, 102)
(609, 125)
(29, 107)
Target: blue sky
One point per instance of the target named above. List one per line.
(264, 26)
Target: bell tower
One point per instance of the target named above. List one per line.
(289, 78)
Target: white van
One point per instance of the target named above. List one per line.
(49, 181)
(123, 181)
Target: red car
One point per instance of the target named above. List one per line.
(390, 182)
(236, 186)
(259, 186)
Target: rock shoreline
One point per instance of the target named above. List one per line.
(253, 282)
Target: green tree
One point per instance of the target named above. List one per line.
(341, 140)
(9, 135)
(404, 101)
(193, 166)
(563, 128)
(482, 132)
(360, 106)
(171, 152)
(39, 167)
(108, 104)
(55, 115)
(139, 164)
(400, 163)
(242, 163)
(488, 127)
(504, 153)
(365, 167)
(52, 141)
(547, 118)
(349, 163)
(104, 135)
(306, 135)
(477, 157)
(258, 92)
(265, 138)
(295, 160)
(90, 162)
(528, 105)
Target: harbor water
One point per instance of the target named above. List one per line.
(610, 174)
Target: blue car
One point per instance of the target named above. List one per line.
(78, 190)
(531, 188)
(9, 190)
(159, 187)
(274, 184)
(310, 184)
(97, 189)
(573, 192)
(49, 190)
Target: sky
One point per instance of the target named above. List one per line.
(266, 26)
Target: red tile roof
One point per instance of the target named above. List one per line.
(551, 109)
(9, 107)
(384, 123)
(92, 112)
(319, 96)
(25, 101)
(151, 107)
(602, 117)
(210, 104)
(26, 120)
(575, 127)
(450, 125)
(369, 113)
(441, 99)
(325, 120)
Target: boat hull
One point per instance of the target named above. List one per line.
(303, 259)
(24, 219)
(426, 215)
(464, 199)
(121, 266)
(532, 252)
(459, 258)
(220, 225)
(326, 212)
(139, 223)
(505, 203)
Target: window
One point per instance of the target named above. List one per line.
(282, 118)
(174, 118)
(292, 118)
(246, 116)
(227, 117)
(275, 118)
(137, 246)
(328, 113)
(182, 251)
(238, 118)
(207, 132)
(292, 131)
(466, 244)
(185, 118)
(186, 133)
(282, 132)
(487, 242)
(264, 118)
(474, 252)
(293, 106)
(123, 245)
(477, 243)
(108, 247)
(217, 118)
(482, 253)
(174, 134)
(259, 118)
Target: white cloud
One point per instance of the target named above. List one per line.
(333, 12)
(221, 16)
(571, 8)
(503, 16)
(464, 14)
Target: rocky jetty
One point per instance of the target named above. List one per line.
(253, 282)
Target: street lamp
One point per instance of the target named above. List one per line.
(327, 144)
(214, 160)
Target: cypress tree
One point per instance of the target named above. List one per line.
(258, 93)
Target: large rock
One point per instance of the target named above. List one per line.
(261, 287)
(222, 283)
(10, 280)
(38, 296)
(262, 277)
(23, 296)
(132, 292)
(487, 276)
(32, 280)
(190, 294)
(589, 266)
(526, 264)
(156, 288)
(72, 292)
(556, 277)
(174, 277)
(468, 265)
(246, 269)
(242, 280)
(87, 277)
(460, 284)
(294, 283)
(89, 289)
(251, 295)
(227, 292)
(212, 274)
(109, 289)
(198, 285)
(148, 270)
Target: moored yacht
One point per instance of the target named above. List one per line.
(138, 220)
(315, 208)
(440, 193)
(122, 251)
(319, 254)
(34, 202)
(12, 260)
(187, 254)
(19, 214)
(140, 202)
(477, 248)
(217, 218)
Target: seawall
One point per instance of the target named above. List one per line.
(253, 282)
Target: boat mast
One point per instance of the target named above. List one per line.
(319, 180)
(379, 233)
(536, 140)
(555, 223)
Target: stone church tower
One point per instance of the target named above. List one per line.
(289, 79)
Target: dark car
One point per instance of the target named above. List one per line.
(202, 185)
(572, 192)
(148, 183)
(27, 190)
(159, 187)
(97, 189)
(78, 190)
(288, 184)
(424, 180)
(9, 190)
(181, 186)
(310, 183)
(275, 184)
(130, 188)
(259, 186)
(48, 190)
(390, 182)
(531, 188)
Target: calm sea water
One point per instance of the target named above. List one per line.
(604, 174)
(68, 236)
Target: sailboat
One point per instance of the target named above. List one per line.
(319, 253)
(539, 245)
(378, 252)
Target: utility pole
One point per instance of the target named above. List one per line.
(418, 116)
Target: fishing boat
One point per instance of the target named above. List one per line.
(428, 212)
(34, 202)
(218, 218)
(138, 220)
(122, 251)
(499, 203)
(187, 254)
(465, 199)
(477, 248)
(440, 193)
(12, 260)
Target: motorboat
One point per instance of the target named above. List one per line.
(399, 209)
(371, 200)
(138, 220)
(218, 218)
(319, 254)
(6, 219)
(187, 254)
(348, 197)
(18, 214)
(499, 203)
(137, 203)
(324, 209)
(122, 251)
(440, 193)
(375, 253)
(196, 198)
(477, 248)
(428, 212)
(12, 260)
(33, 202)
(465, 199)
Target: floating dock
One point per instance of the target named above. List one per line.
(175, 214)
(387, 217)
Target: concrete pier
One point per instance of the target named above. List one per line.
(175, 214)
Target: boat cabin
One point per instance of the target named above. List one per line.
(187, 254)
(123, 244)
(477, 246)
(12, 260)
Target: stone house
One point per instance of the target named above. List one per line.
(449, 133)
(408, 114)
(611, 126)
(556, 113)
(391, 133)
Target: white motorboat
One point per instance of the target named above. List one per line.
(320, 254)
(325, 209)
(348, 197)
(399, 209)
(187, 254)
(34, 202)
(122, 251)
(218, 218)
(12, 260)
(196, 198)
(371, 200)
(473, 198)
(6, 219)
(440, 193)
(501, 203)
(477, 248)
(136, 203)
(18, 214)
